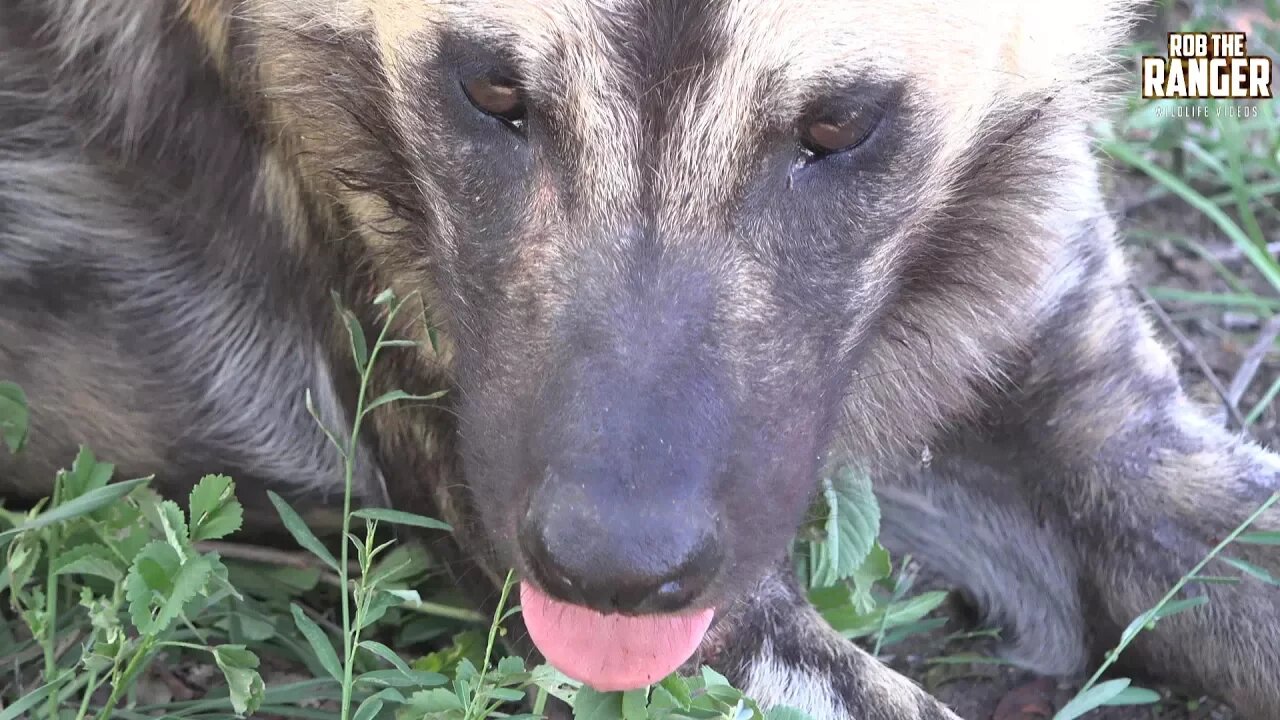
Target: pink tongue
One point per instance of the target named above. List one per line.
(610, 652)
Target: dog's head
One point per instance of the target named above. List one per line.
(678, 247)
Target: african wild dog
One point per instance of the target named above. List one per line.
(679, 252)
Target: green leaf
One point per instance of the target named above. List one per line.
(88, 559)
(400, 517)
(319, 642)
(438, 700)
(510, 665)
(83, 505)
(594, 705)
(1092, 699)
(239, 667)
(1260, 538)
(853, 522)
(300, 532)
(1134, 696)
(160, 585)
(634, 704)
(1251, 569)
(384, 297)
(368, 709)
(510, 695)
(15, 416)
(1173, 607)
(86, 474)
(174, 527)
(387, 654)
(398, 395)
(215, 512)
(876, 567)
(406, 679)
(379, 601)
(679, 689)
(359, 345)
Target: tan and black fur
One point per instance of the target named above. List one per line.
(649, 268)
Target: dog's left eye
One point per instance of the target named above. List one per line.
(499, 97)
(826, 137)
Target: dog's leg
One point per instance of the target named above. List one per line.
(776, 648)
(1091, 489)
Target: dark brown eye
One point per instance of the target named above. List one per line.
(498, 97)
(827, 138)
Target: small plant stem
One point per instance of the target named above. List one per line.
(1114, 655)
(540, 702)
(488, 648)
(51, 607)
(126, 678)
(89, 690)
(349, 466)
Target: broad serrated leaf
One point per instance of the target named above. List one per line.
(1092, 699)
(875, 567)
(174, 527)
(399, 517)
(88, 559)
(86, 474)
(510, 665)
(239, 667)
(319, 642)
(297, 527)
(852, 524)
(215, 512)
(594, 705)
(554, 682)
(15, 416)
(438, 700)
(160, 585)
(83, 505)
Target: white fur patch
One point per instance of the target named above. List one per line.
(772, 683)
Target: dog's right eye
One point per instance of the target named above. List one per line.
(497, 96)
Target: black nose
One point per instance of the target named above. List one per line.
(619, 562)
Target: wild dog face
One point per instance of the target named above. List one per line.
(675, 244)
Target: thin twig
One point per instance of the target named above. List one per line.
(1253, 359)
(1191, 349)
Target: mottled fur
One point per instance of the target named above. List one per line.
(182, 183)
